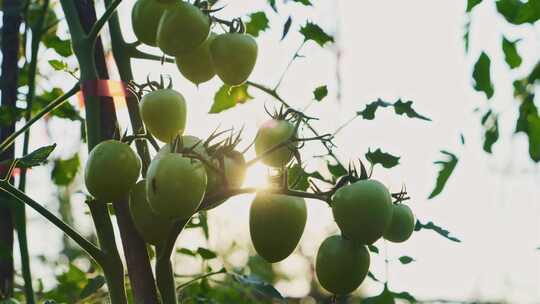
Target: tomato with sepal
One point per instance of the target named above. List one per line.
(164, 113)
(145, 17)
(271, 134)
(197, 65)
(234, 56)
(402, 224)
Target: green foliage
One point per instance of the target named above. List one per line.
(304, 2)
(227, 97)
(406, 259)
(258, 286)
(447, 167)
(70, 286)
(490, 122)
(388, 297)
(10, 115)
(511, 54)
(312, 31)
(93, 285)
(286, 27)
(471, 4)
(65, 170)
(257, 23)
(482, 75)
(519, 12)
(399, 106)
(441, 231)
(66, 110)
(37, 157)
(385, 159)
(320, 93)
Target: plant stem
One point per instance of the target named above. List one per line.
(165, 279)
(206, 275)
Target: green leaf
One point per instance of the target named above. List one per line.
(447, 167)
(467, 36)
(186, 251)
(10, 115)
(385, 297)
(286, 27)
(65, 170)
(58, 65)
(534, 137)
(92, 286)
(66, 110)
(431, 226)
(482, 75)
(312, 31)
(227, 97)
(261, 287)
(404, 296)
(272, 4)
(399, 106)
(257, 23)
(519, 12)
(37, 157)
(297, 178)
(304, 2)
(372, 276)
(490, 122)
(370, 109)
(511, 55)
(471, 4)
(373, 249)
(337, 170)
(206, 254)
(60, 46)
(406, 259)
(320, 93)
(385, 159)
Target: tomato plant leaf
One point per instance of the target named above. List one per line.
(482, 75)
(404, 296)
(385, 159)
(491, 135)
(312, 31)
(258, 22)
(385, 297)
(58, 65)
(534, 137)
(186, 251)
(206, 254)
(511, 55)
(373, 249)
(337, 170)
(227, 97)
(320, 93)
(431, 226)
(286, 27)
(60, 46)
(467, 36)
(92, 286)
(447, 167)
(297, 178)
(406, 259)
(272, 4)
(372, 276)
(10, 115)
(519, 12)
(37, 157)
(399, 106)
(259, 286)
(471, 4)
(65, 170)
(304, 2)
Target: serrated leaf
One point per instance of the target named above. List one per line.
(471, 4)
(320, 93)
(406, 259)
(227, 97)
(511, 55)
(447, 167)
(286, 27)
(65, 170)
(37, 157)
(482, 75)
(259, 286)
(258, 22)
(431, 226)
(385, 159)
(399, 106)
(60, 46)
(519, 12)
(58, 65)
(206, 254)
(92, 286)
(297, 178)
(312, 31)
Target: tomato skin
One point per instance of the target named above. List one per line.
(111, 170)
(272, 133)
(152, 227)
(164, 113)
(175, 185)
(197, 65)
(182, 28)
(402, 224)
(341, 265)
(276, 224)
(363, 210)
(234, 56)
(145, 18)
(235, 172)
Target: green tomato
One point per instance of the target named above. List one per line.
(111, 170)
(164, 113)
(175, 185)
(151, 226)
(271, 134)
(341, 265)
(188, 141)
(402, 224)
(182, 29)
(234, 56)
(363, 210)
(276, 224)
(145, 18)
(197, 65)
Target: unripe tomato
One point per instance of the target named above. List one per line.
(363, 210)
(145, 18)
(197, 65)
(270, 134)
(111, 170)
(152, 227)
(234, 56)
(182, 29)
(175, 185)
(276, 224)
(402, 224)
(164, 113)
(341, 265)
(188, 141)
(235, 172)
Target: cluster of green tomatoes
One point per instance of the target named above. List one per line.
(183, 30)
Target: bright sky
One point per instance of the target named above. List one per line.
(390, 49)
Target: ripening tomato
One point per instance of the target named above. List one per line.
(341, 265)
(234, 56)
(182, 29)
(175, 185)
(272, 133)
(197, 65)
(402, 224)
(363, 210)
(276, 224)
(111, 170)
(152, 227)
(164, 113)
(145, 18)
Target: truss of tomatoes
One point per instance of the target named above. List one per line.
(183, 30)
(182, 178)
